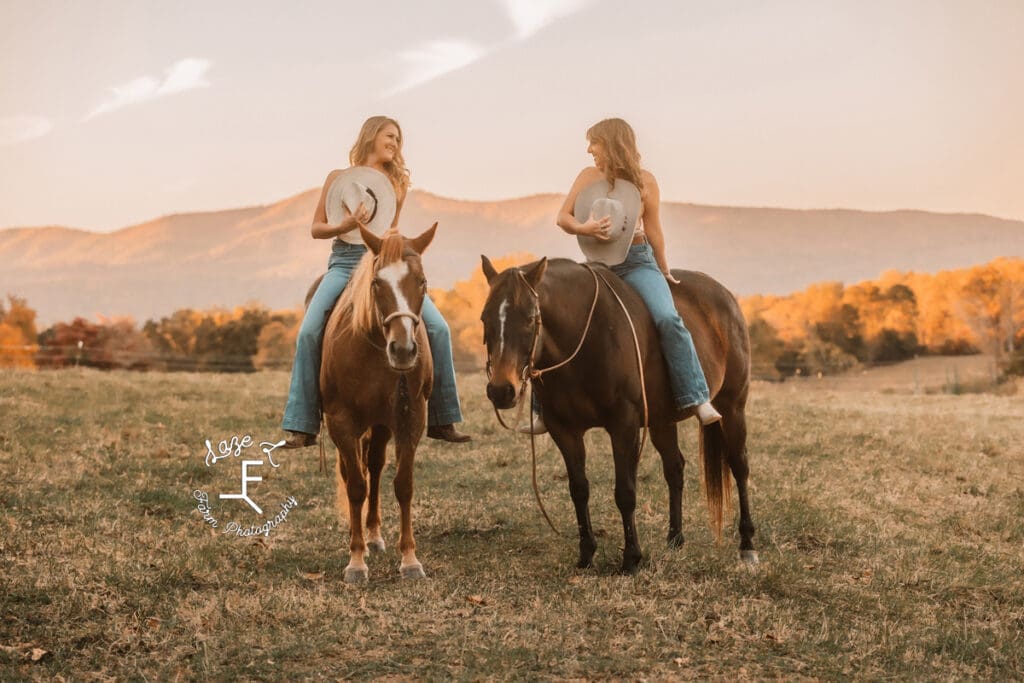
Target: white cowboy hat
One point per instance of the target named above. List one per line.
(622, 205)
(361, 184)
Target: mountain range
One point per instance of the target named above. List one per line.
(266, 254)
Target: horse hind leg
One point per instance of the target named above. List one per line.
(341, 491)
(376, 455)
(734, 424)
(665, 438)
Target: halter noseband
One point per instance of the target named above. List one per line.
(400, 314)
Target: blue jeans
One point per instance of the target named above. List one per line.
(302, 412)
(641, 272)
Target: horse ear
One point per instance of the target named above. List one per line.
(419, 244)
(536, 273)
(489, 271)
(372, 241)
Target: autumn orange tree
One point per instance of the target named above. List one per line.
(219, 339)
(17, 334)
(829, 327)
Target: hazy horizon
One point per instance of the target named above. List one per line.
(118, 114)
(292, 196)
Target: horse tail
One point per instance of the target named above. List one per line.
(717, 479)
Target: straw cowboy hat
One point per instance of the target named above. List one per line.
(622, 205)
(361, 184)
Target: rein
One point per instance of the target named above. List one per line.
(531, 372)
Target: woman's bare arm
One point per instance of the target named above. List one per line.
(652, 223)
(568, 222)
(321, 229)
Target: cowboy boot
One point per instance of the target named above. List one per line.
(536, 425)
(448, 433)
(707, 414)
(299, 440)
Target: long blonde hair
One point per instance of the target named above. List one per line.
(356, 304)
(622, 159)
(360, 152)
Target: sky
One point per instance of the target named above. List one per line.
(114, 113)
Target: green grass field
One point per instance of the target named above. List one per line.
(890, 529)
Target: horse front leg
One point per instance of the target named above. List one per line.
(574, 453)
(352, 484)
(376, 452)
(405, 453)
(625, 443)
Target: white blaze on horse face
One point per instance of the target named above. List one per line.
(393, 274)
(502, 311)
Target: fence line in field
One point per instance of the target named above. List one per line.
(954, 381)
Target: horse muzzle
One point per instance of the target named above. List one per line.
(502, 394)
(402, 357)
(402, 349)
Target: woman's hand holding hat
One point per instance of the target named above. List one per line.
(598, 228)
(351, 220)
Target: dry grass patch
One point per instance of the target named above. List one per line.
(891, 531)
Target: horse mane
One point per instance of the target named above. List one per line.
(516, 289)
(356, 302)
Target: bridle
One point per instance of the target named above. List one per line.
(531, 372)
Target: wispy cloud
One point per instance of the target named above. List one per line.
(427, 61)
(530, 16)
(183, 75)
(15, 129)
(432, 59)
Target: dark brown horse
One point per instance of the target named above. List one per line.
(601, 387)
(375, 378)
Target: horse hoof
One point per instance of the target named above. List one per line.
(357, 574)
(630, 567)
(749, 557)
(675, 540)
(375, 546)
(413, 571)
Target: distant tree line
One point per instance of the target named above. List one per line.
(830, 328)
(827, 328)
(243, 339)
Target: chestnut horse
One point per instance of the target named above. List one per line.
(376, 375)
(539, 315)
